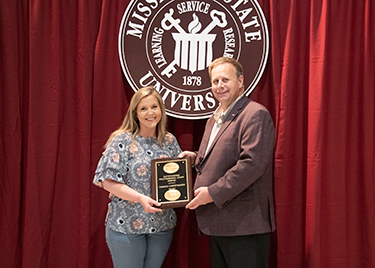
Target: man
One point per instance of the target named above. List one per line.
(233, 188)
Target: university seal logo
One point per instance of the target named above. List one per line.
(170, 44)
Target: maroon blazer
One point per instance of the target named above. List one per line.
(238, 173)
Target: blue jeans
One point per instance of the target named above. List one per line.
(139, 250)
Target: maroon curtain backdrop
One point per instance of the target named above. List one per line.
(62, 93)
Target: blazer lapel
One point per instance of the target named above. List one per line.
(237, 108)
(207, 133)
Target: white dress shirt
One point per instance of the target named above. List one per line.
(220, 117)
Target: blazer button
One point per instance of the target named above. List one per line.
(199, 173)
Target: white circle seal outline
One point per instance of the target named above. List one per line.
(170, 45)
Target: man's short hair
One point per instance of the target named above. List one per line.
(222, 60)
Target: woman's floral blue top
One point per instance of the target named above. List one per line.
(129, 162)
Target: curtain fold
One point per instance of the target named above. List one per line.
(63, 92)
(13, 92)
(328, 110)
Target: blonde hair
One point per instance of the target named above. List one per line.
(222, 60)
(131, 122)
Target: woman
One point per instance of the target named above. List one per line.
(138, 233)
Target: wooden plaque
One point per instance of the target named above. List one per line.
(171, 182)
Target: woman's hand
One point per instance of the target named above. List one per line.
(149, 205)
(125, 192)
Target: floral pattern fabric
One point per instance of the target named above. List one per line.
(129, 161)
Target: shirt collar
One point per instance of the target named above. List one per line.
(220, 116)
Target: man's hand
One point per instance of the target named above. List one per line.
(202, 197)
(190, 155)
